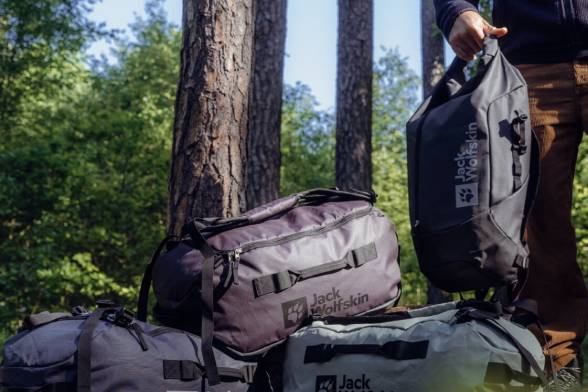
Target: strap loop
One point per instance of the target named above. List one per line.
(181, 370)
(142, 304)
(283, 280)
(519, 148)
(500, 373)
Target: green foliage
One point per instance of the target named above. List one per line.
(307, 143)
(308, 151)
(580, 211)
(85, 153)
(395, 97)
(40, 42)
(485, 7)
(84, 191)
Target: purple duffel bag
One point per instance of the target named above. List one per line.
(250, 281)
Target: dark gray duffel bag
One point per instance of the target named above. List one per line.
(473, 172)
(106, 351)
(252, 280)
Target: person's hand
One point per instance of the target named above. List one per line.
(468, 32)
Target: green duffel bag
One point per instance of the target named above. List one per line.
(453, 347)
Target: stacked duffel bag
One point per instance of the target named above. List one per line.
(109, 350)
(467, 346)
(473, 172)
(245, 284)
(228, 290)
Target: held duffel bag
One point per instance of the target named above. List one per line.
(250, 281)
(473, 166)
(453, 347)
(106, 351)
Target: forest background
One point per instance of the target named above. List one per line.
(86, 147)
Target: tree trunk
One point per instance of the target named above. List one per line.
(432, 47)
(265, 106)
(353, 152)
(208, 170)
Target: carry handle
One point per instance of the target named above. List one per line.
(310, 197)
(211, 226)
(454, 79)
(398, 350)
(489, 51)
(143, 301)
(283, 280)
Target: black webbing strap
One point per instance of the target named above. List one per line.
(244, 374)
(475, 314)
(143, 302)
(524, 352)
(283, 280)
(189, 370)
(398, 350)
(181, 370)
(207, 299)
(502, 374)
(84, 366)
(519, 148)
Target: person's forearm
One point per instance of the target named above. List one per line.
(448, 10)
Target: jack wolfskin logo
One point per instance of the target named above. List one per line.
(466, 195)
(333, 302)
(294, 311)
(344, 384)
(467, 162)
(326, 384)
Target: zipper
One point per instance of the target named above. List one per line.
(295, 236)
(234, 259)
(234, 256)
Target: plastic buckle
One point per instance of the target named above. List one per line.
(519, 148)
(120, 316)
(124, 318)
(79, 311)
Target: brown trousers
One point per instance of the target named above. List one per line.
(558, 96)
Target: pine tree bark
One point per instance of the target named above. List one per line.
(353, 152)
(433, 67)
(265, 106)
(432, 48)
(208, 170)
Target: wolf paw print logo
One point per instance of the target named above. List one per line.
(326, 384)
(294, 311)
(466, 195)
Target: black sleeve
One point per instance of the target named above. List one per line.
(448, 10)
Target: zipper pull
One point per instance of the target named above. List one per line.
(236, 257)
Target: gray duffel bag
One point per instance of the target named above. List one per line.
(247, 282)
(451, 347)
(108, 350)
